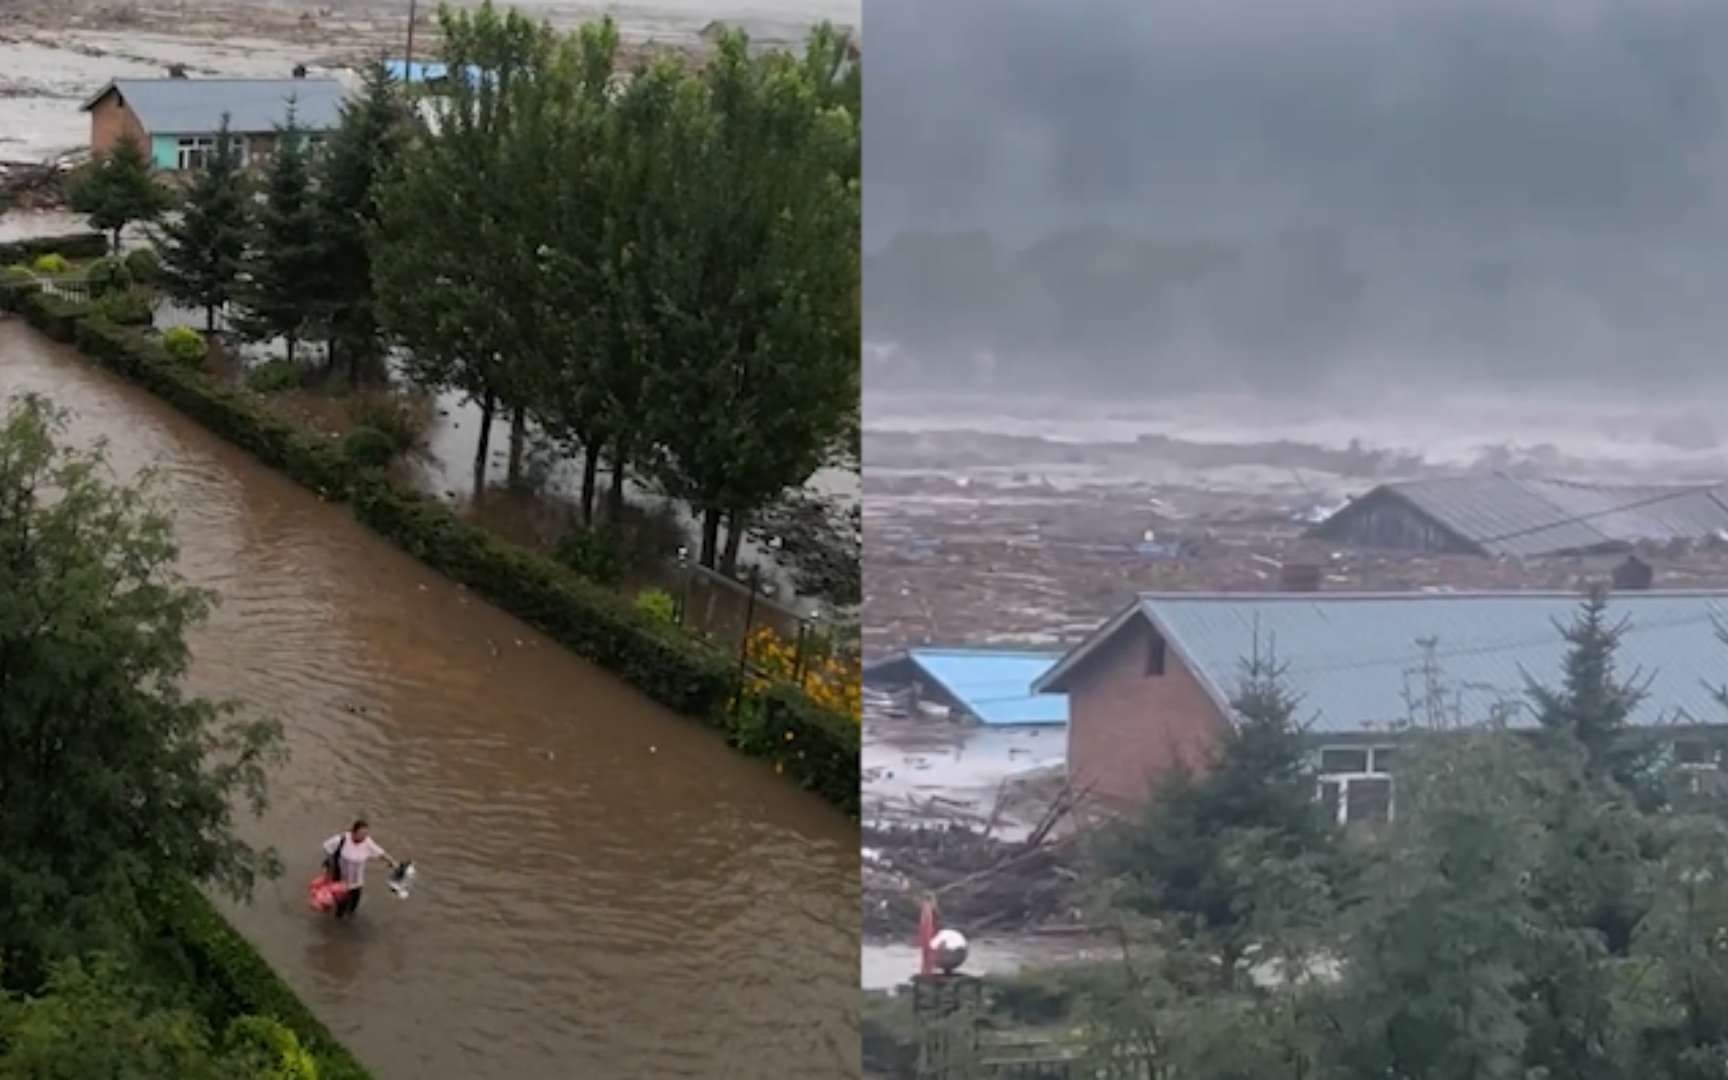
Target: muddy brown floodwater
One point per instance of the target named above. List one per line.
(605, 889)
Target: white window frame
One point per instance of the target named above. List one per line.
(1712, 765)
(1376, 772)
(185, 146)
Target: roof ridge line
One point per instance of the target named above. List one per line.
(1454, 594)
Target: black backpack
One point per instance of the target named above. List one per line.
(333, 861)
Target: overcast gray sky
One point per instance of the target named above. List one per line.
(1499, 182)
(1576, 114)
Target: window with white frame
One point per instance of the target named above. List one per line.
(1356, 782)
(194, 151)
(1696, 754)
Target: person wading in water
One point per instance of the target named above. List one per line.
(345, 857)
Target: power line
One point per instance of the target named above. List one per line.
(1578, 519)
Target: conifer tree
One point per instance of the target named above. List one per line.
(117, 189)
(1259, 790)
(1593, 703)
(281, 294)
(201, 253)
(362, 150)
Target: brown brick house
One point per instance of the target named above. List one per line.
(176, 120)
(1153, 685)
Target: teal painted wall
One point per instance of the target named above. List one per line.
(165, 151)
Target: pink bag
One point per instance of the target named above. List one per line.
(324, 891)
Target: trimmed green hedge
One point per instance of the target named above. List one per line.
(230, 970)
(90, 245)
(815, 746)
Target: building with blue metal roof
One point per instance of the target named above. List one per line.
(176, 120)
(992, 687)
(1153, 685)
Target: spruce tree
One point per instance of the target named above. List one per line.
(281, 296)
(201, 253)
(117, 189)
(1259, 792)
(364, 149)
(1593, 703)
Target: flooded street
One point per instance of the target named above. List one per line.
(604, 889)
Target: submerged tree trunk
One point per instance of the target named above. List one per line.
(488, 402)
(710, 537)
(590, 479)
(736, 522)
(292, 341)
(518, 439)
(209, 318)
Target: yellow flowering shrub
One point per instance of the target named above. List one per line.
(827, 680)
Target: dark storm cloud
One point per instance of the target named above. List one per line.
(1528, 185)
(1572, 113)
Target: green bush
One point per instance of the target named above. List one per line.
(599, 554)
(888, 1032)
(184, 345)
(129, 308)
(88, 245)
(657, 604)
(19, 272)
(51, 263)
(405, 421)
(592, 622)
(107, 276)
(369, 448)
(53, 315)
(274, 376)
(144, 266)
(242, 982)
(817, 747)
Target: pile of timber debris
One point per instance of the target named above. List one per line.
(35, 185)
(980, 883)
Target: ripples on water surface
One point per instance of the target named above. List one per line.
(604, 889)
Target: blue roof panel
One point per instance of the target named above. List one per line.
(996, 687)
(1356, 660)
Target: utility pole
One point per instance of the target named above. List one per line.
(408, 61)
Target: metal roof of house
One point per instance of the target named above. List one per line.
(1507, 515)
(253, 106)
(1353, 658)
(423, 71)
(994, 686)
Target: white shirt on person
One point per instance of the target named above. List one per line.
(355, 855)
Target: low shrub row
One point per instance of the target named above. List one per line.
(238, 981)
(92, 245)
(815, 746)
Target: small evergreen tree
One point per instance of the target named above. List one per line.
(1261, 785)
(282, 293)
(202, 253)
(117, 189)
(364, 149)
(1593, 704)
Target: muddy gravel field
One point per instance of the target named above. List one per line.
(55, 53)
(1034, 544)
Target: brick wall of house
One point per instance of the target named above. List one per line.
(110, 120)
(1125, 727)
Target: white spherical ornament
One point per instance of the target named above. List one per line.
(948, 949)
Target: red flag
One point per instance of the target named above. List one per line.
(926, 931)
